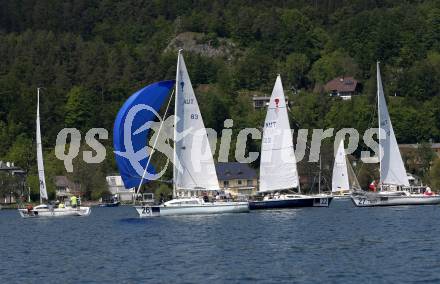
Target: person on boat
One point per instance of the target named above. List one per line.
(29, 208)
(372, 186)
(73, 201)
(61, 205)
(428, 191)
(205, 198)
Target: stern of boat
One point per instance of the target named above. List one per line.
(148, 211)
(24, 213)
(322, 201)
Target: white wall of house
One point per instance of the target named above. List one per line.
(116, 186)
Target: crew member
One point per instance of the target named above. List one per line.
(428, 191)
(73, 201)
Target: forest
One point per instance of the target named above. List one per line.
(90, 56)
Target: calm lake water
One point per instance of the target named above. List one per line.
(332, 245)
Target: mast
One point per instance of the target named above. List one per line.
(319, 175)
(379, 82)
(176, 100)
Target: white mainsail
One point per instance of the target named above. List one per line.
(278, 163)
(392, 169)
(340, 174)
(193, 162)
(43, 191)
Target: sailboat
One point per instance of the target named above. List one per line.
(45, 210)
(394, 187)
(342, 184)
(278, 170)
(193, 170)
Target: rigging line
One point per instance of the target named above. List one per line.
(154, 145)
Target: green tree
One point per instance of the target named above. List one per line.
(331, 65)
(78, 108)
(295, 69)
(434, 175)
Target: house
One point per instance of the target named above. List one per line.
(116, 187)
(237, 178)
(262, 102)
(65, 188)
(343, 87)
(405, 148)
(12, 182)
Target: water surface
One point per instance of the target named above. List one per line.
(332, 245)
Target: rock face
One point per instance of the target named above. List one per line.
(202, 44)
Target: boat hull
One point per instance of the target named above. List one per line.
(373, 200)
(56, 212)
(209, 208)
(291, 203)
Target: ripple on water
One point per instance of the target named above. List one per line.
(333, 245)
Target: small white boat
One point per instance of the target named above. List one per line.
(371, 199)
(394, 186)
(44, 210)
(344, 180)
(191, 206)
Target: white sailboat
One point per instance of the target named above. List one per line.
(194, 169)
(394, 186)
(278, 170)
(340, 182)
(44, 210)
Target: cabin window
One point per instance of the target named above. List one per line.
(226, 183)
(250, 182)
(239, 182)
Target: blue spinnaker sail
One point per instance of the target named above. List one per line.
(131, 147)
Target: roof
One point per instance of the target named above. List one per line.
(341, 84)
(63, 181)
(10, 167)
(235, 170)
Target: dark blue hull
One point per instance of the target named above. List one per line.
(290, 203)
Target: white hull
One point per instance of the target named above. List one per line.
(56, 212)
(372, 200)
(200, 209)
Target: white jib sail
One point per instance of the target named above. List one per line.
(392, 169)
(194, 165)
(278, 163)
(340, 174)
(40, 164)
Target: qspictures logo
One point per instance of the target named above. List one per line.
(163, 138)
